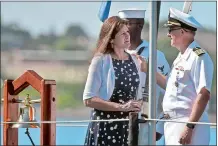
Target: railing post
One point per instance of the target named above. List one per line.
(133, 129)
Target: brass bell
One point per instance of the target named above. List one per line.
(27, 114)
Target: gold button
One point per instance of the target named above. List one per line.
(176, 84)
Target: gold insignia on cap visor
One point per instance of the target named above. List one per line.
(179, 18)
(173, 23)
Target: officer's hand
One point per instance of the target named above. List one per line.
(143, 63)
(131, 105)
(186, 136)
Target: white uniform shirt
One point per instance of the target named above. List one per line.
(162, 65)
(189, 74)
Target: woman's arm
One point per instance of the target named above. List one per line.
(100, 104)
(91, 92)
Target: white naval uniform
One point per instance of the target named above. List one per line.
(163, 68)
(189, 74)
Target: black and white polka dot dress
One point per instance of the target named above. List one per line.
(126, 86)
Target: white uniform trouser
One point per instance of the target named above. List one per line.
(173, 131)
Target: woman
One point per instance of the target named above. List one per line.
(112, 85)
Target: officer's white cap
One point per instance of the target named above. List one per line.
(131, 13)
(178, 18)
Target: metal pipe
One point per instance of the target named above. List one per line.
(152, 71)
(35, 101)
(143, 120)
(22, 101)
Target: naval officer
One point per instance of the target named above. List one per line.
(188, 85)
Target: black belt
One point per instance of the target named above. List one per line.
(165, 116)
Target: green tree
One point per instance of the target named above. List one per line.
(75, 31)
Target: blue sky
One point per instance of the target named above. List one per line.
(39, 17)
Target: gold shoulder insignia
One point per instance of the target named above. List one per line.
(199, 51)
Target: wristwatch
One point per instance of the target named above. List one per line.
(191, 126)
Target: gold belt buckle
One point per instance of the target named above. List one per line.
(166, 116)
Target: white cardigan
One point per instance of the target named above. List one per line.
(101, 78)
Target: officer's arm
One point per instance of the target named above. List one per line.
(199, 105)
(203, 75)
(161, 80)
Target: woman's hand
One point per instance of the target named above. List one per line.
(143, 63)
(131, 105)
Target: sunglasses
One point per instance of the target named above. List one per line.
(171, 29)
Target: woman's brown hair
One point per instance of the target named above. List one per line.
(109, 29)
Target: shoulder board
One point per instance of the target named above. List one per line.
(198, 51)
